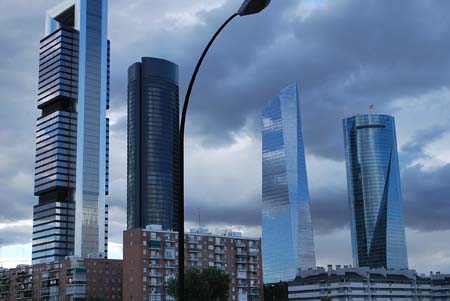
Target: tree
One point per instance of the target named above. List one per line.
(210, 284)
(276, 291)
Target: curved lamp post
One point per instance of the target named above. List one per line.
(249, 7)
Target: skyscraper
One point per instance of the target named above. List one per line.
(287, 232)
(71, 177)
(373, 177)
(153, 144)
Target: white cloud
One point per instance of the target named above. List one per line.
(14, 224)
(322, 170)
(429, 251)
(224, 175)
(425, 111)
(11, 256)
(333, 248)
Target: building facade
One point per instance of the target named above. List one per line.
(151, 260)
(16, 284)
(441, 286)
(153, 189)
(286, 205)
(374, 190)
(68, 279)
(71, 175)
(362, 284)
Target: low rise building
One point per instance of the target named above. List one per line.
(361, 284)
(16, 284)
(151, 259)
(440, 286)
(68, 279)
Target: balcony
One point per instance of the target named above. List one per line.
(155, 297)
(156, 283)
(78, 291)
(157, 264)
(154, 244)
(192, 240)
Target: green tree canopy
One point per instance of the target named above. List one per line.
(210, 284)
(276, 291)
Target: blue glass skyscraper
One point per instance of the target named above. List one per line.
(373, 177)
(71, 176)
(287, 232)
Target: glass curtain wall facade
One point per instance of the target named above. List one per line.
(153, 189)
(71, 174)
(288, 242)
(374, 191)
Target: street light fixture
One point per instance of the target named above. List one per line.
(249, 7)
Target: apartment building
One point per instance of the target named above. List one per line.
(364, 284)
(16, 284)
(69, 279)
(150, 261)
(441, 286)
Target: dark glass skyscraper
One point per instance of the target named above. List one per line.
(153, 144)
(71, 176)
(287, 231)
(377, 222)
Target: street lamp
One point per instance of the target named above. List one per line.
(249, 7)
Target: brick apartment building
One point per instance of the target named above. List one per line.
(70, 279)
(17, 283)
(150, 261)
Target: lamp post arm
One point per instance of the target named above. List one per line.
(180, 289)
(197, 69)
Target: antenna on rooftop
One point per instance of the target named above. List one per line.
(199, 220)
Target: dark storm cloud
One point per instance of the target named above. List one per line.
(330, 211)
(20, 31)
(344, 58)
(426, 196)
(248, 214)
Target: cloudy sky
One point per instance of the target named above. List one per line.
(345, 55)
